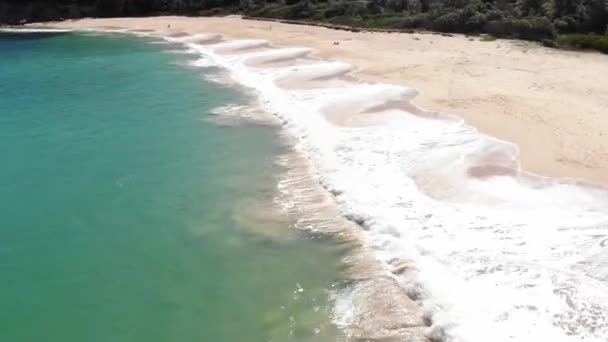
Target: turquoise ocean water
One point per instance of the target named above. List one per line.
(120, 204)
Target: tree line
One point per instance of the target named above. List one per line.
(577, 23)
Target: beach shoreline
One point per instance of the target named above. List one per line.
(548, 102)
(425, 191)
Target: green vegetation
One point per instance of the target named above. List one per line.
(585, 41)
(486, 38)
(568, 23)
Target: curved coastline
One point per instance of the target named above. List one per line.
(496, 160)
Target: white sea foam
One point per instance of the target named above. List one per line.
(194, 38)
(185, 52)
(236, 45)
(313, 72)
(502, 255)
(202, 62)
(220, 77)
(277, 55)
(237, 111)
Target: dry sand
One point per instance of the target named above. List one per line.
(552, 103)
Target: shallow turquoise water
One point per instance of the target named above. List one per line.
(118, 202)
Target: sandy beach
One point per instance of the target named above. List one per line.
(551, 103)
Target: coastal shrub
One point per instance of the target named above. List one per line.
(475, 22)
(486, 38)
(579, 23)
(341, 20)
(532, 28)
(298, 10)
(211, 12)
(585, 41)
(295, 11)
(265, 11)
(334, 11)
(549, 43)
(396, 5)
(317, 16)
(567, 23)
(414, 6)
(449, 22)
(499, 28)
(538, 20)
(395, 22)
(281, 11)
(494, 15)
(421, 20)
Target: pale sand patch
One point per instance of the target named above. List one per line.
(551, 103)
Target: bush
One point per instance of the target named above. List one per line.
(495, 15)
(211, 12)
(495, 18)
(278, 10)
(475, 22)
(585, 41)
(566, 24)
(549, 43)
(499, 28)
(395, 22)
(486, 38)
(266, 10)
(421, 20)
(448, 22)
(532, 28)
(299, 10)
(334, 11)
